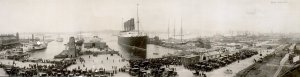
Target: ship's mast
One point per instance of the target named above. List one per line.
(181, 31)
(168, 29)
(137, 17)
(174, 29)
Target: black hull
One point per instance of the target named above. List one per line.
(135, 46)
(138, 42)
(132, 53)
(33, 50)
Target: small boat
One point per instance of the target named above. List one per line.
(59, 39)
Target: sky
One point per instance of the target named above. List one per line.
(155, 15)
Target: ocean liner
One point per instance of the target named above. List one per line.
(131, 38)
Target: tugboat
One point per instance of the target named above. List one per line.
(59, 39)
(37, 46)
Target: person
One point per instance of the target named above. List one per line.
(204, 75)
(14, 63)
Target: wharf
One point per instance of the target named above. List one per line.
(64, 54)
(20, 64)
(269, 65)
(101, 61)
(3, 73)
(110, 62)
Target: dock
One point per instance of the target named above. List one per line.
(272, 65)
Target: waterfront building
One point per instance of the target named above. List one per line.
(155, 40)
(211, 55)
(72, 47)
(8, 40)
(297, 49)
(199, 42)
(70, 50)
(203, 55)
(190, 59)
(94, 42)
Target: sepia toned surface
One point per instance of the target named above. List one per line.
(149, 38)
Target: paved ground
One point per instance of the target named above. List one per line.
(266, 69)
(20, 64)
(3, 73)
(282, 62)
(237, 66)
(95, 62)
(100, 61)
(182, 72)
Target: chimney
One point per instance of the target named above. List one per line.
(17, 36)
(32, 37)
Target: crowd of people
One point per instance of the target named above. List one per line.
(158, 67)
(222, 61)
(55, 69)
(101, 72)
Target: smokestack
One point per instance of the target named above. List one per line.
(17, 35)
(32, 37)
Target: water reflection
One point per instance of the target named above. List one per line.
(130, 53)
(53, 49)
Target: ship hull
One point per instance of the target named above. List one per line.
(38, 49)
(136, 46)
(139, 42)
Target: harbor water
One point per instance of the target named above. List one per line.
(54, 48)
